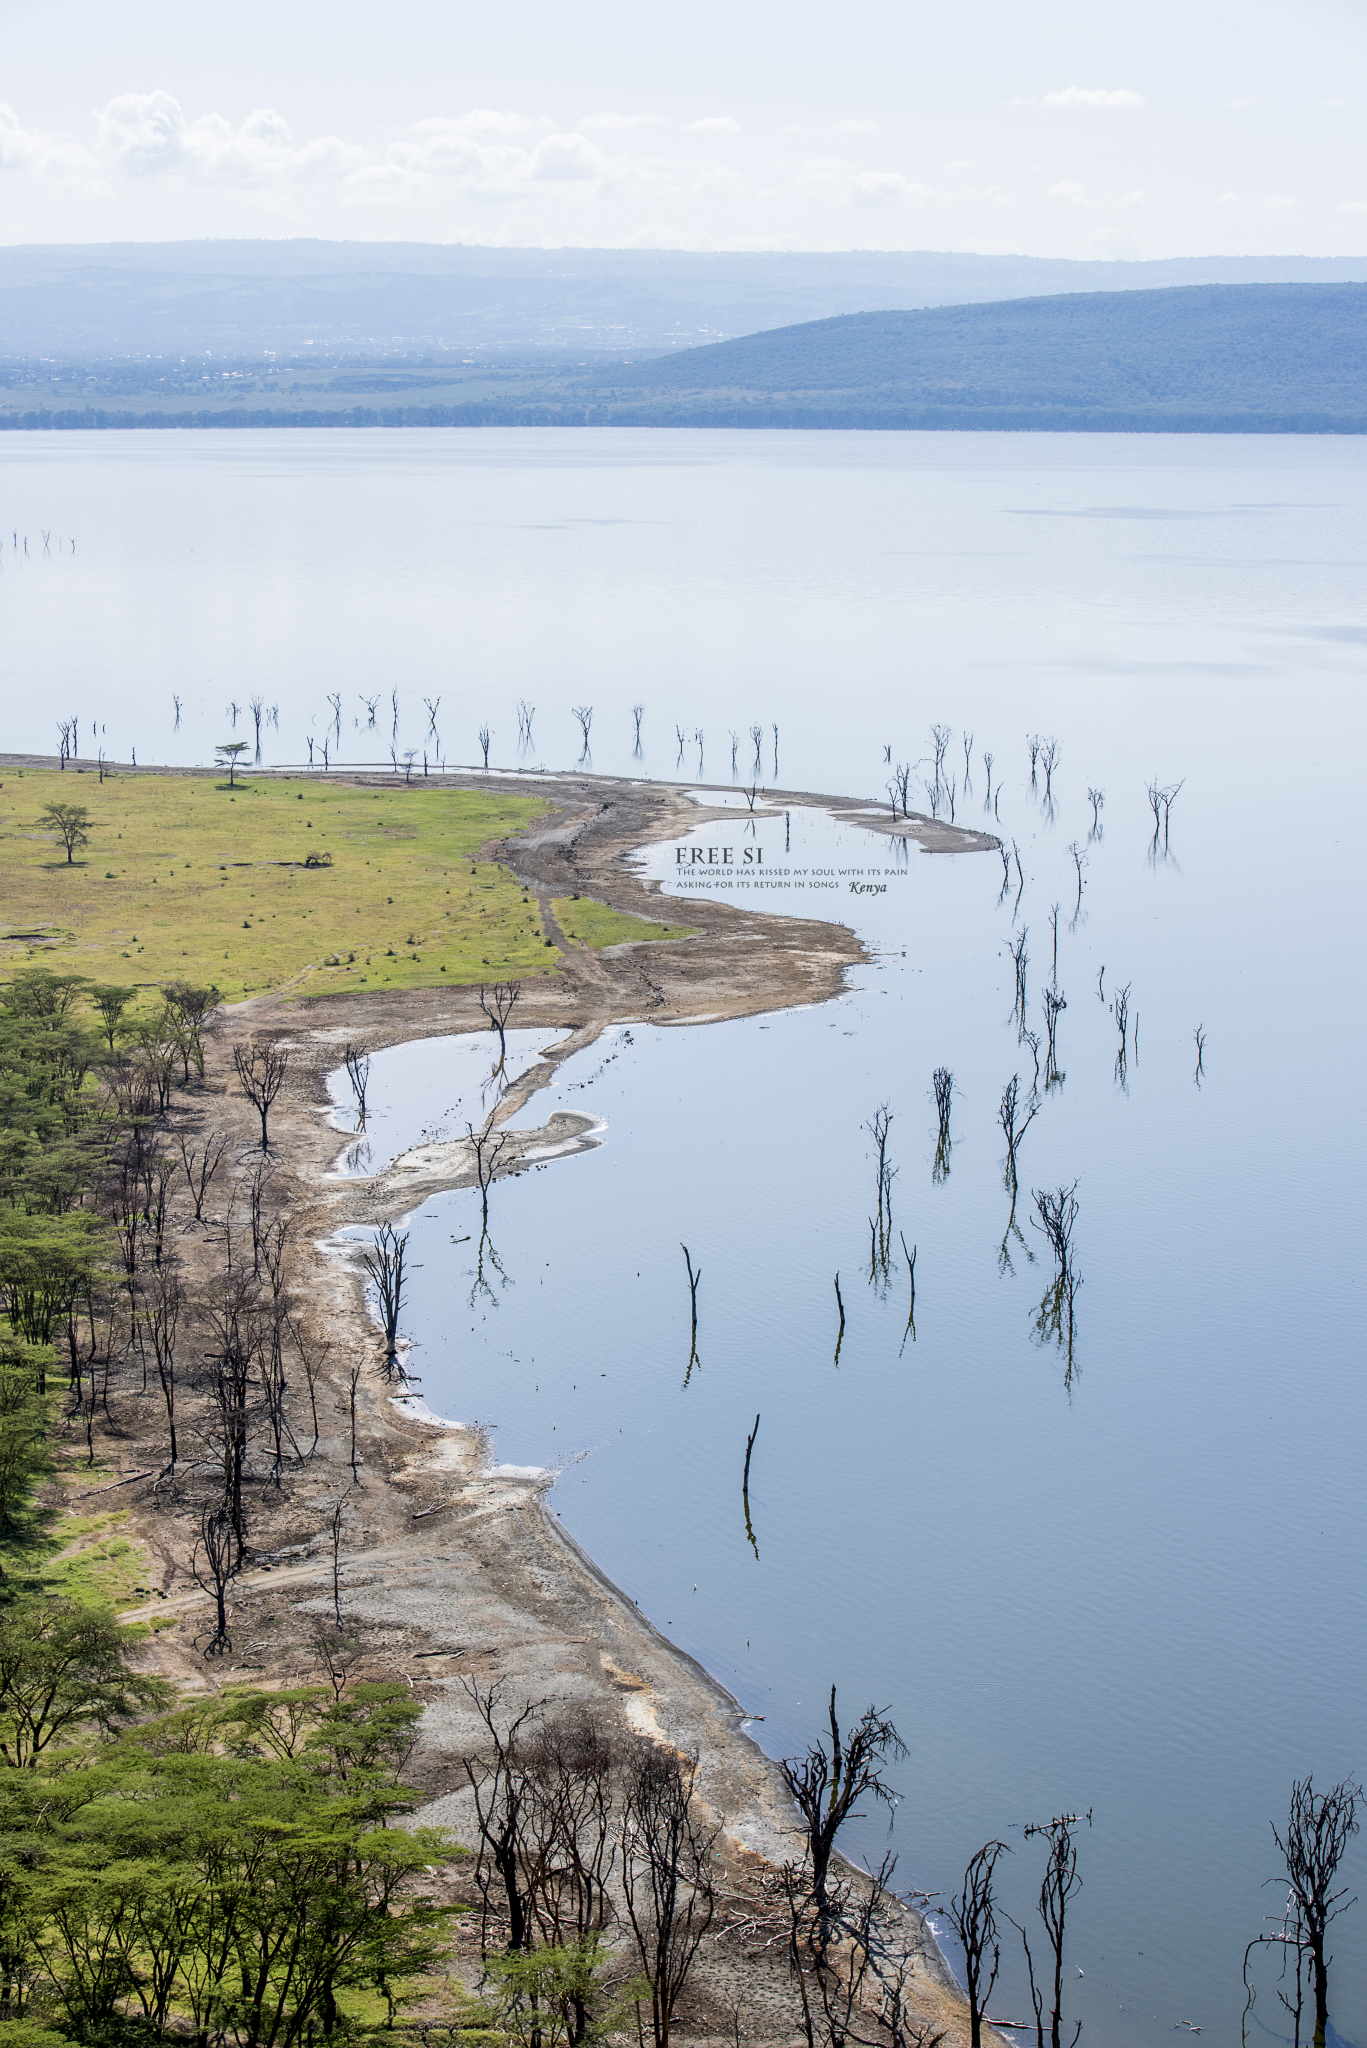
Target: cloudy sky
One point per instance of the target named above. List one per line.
(1180, 127)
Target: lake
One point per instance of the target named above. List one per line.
(1135, 1588)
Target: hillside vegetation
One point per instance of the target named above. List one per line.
(1214, 358)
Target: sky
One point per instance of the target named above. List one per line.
(1179, 127)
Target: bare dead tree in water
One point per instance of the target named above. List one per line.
(776, 750)
(1055, 1321)
(840, 1333)
(880, 1226)
(1020, 877)
(356, 1059)
(261, 1070)
(1079, 861)
(968, 756)
(735, 749)
(394, 708)
(682, 739)
(432, 705)
(1006, 873)
(1014, 1125)
(370, 704)
(1054, 1003)
(751, 795)
(1049, 758)
(485, 736)
(972, 1915)
(1032, 741)
(498, 1008)
(693, 1279)
(910, 1257)
(1053, 927)
(488, 1151)
(1097, 799)
(827, 1785)
(1057, 1888)
(934, 797)
(1200, 1035)
(943, 1083)
(1318, 1829)
(940, 736)
(584, 713)
(757, 741)
(1021, 960)
(525, 714)
(698, 742)
(988, 759)
(951, 792)
(902, 777)
(213, 1568)
(745, 1488)
(1120, 1010)
(384, 1262)
(1161, 801)
(258, 706)
(638, 712)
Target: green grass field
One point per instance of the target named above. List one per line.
(594, 924)
(184, 879)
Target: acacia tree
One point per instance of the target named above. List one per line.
(227, 758)
(70, 823)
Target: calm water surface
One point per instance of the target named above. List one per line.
(1138, 1591)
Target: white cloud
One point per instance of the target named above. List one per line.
(1333, 103)
(828, 177)
(1065, 190)
(1228, 199)
(146, 134)
(45, 156)
(481, 121)
(618, 120)
(1275, 203)
(446, 158)
(856, 127)
(1240, 103)
(713, 123)
(1092, 96)
(1353, 206)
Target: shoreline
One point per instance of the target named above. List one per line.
(447, 1556)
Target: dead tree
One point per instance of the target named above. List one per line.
(940, 736)
(1021, 960)
(943, 1083)
(827, 1785)
(525, 714)
(158, 1327)
(693, 1279)
(880, 1226)
(1120, 1010)
(1054, 1003)
(570, 1843)
(485, 736)
(853, 1972)
(257, 706)
(638, 712)
(1049, 755)
(910, 1257)
(840, 1333)
(1318, 1829)
(499, 1784)
(214, 1567)
(356, 1059)
(988, 759)
(498, 1007)
(667, 1883)
(1014, 1126)
(968, 756)
(1057, 1212)
(1200, 1035)
(261, 1069)
(232, 1386)
(1097, 799)
(584, 713)
(384, 1262)
(745, 1487)
(488, 1152)
(433, 706)
(757, 739)
(1059, 1883)
(1032, 741)
(972, 1915)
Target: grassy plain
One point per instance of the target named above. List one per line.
(596, 924)
(184, 879)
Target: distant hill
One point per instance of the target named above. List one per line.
(1281, 358)
(371, 301)
(1214, 358)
